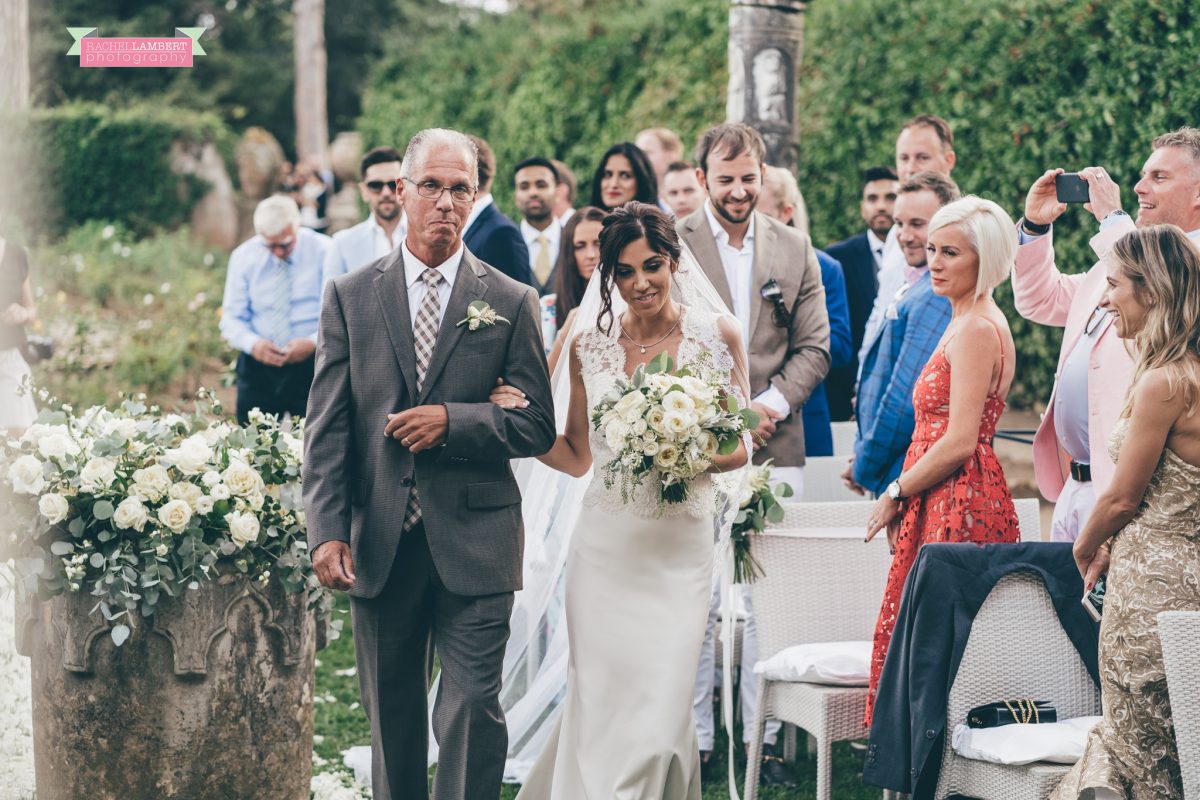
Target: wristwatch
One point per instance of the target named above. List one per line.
(893, 490)
(1116, 212)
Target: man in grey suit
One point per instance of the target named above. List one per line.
(412, 506)
(768, 275)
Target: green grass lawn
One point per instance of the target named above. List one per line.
(341, 723)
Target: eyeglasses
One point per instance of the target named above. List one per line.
(375, 187)
(432, 190)
(1094, 321)
(772, 292)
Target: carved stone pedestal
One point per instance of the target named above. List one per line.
(212, 700)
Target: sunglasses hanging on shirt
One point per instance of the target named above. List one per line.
(772, 292)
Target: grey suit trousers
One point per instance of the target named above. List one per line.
(393, 636)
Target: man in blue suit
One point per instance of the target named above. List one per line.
(860, 257)
(913, 323)
(490, 236)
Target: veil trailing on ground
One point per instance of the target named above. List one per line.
(535, 661)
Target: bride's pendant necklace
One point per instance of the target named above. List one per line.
(642, 347)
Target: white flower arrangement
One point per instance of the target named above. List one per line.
(130, 506)
(670, 424)
(758, 508)
(480, 315)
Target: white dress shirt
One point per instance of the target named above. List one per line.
(481, 203)
(553, 234)
(414, 267)
(358, 246)
(877, 245)
(566, 217)
(892, 276)
(739, 274)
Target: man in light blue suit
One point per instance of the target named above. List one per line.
(383, 230)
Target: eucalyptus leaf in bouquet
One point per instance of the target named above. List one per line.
(759, 508)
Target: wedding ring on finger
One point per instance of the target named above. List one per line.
(404, 441)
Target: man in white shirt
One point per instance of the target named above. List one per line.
(925, 143)
(385, 227)
(535, 183)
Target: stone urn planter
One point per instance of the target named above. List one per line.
(210, 699)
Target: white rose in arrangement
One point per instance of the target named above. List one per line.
(203, 505)
(124, 427)
(255, 501)
(630, 406)
(660, 382)
(131, 514)
(152, 482)
(242, 479)
(187, 492)
(175, 514)
(677, 424)
(639, 427)
(697, 389)
(613, 437)
(53, 507)
(243, 528)
(654, 418)
(192, 455)
(666, 457)
(57, 445)
(162, 550)
(97, 474)
(25, 475)
(747, 496)
(678, 402)
(220, 492)
(210, 478)
(707, 444)
(294, 445)
(215, 433)
(650, 448)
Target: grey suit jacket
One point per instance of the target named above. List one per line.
(794, 358)
(357, 481)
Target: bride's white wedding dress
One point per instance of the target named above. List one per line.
(639, 579)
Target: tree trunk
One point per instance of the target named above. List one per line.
(312, 118)
(14, 55)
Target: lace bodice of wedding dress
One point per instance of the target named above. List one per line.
(603, 363)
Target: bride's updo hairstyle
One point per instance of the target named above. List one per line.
(622, 227)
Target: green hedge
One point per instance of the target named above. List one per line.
(82, 162)
(1027, 85)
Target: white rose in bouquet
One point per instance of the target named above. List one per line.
(629, 407)
(666, 457)
(650, 447)
(294, 445)
(189, 493)
(639, 427)
(53, 507)
(242, 479)
(192, 455)
(215, 433)
(654, 418)
(131, 514)
(707, 444)
(98, 473)
(175, 514)
(203, 505)
(678, 402)
(255, 501)
(220, 492)
(210, 478)
(660, 382)
(151, 482)
(57, 445)
(243, 528)
(615, 434)
(677, 424)
(25, 475)
(124, 427)
(697, 389)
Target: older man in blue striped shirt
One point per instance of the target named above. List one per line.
(270, 311)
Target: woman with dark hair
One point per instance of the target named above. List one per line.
(578, 257)
(624, 175)
(638, 573)
(1149, 517)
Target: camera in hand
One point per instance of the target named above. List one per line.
(1070, 188)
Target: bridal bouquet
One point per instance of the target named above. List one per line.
(670, 424)
(131, 505)
(759, 507)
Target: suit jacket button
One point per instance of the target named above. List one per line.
(930, 734)
(406, 481)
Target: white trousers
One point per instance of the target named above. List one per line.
(708, 676)
(1071, 512)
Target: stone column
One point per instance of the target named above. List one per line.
(766, 40)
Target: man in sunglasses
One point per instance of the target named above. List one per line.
(270, 309)
(383, 229)
(1094, 368)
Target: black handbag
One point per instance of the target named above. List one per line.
(37, 349)
(1011, 712)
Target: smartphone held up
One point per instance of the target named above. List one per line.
(1070, 188)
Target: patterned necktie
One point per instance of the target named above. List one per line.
(424, 338)
(281, 305)
(541, 265)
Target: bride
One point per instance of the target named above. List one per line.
(640, 576)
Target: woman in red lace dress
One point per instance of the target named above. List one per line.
(952, 488)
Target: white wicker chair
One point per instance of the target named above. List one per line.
(1179, 632)
(843, 438)
(1016, 649)
(818, 586)
(823, 480)
(1029, 518)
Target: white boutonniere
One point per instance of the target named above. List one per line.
(480, 314)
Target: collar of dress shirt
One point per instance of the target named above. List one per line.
(721, 235)
(876, 244)
(913, 274)
(397, 234)
(481, 203)
(566, 217)
(413, 266)
(531, 234)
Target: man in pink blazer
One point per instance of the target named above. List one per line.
(1070, 450)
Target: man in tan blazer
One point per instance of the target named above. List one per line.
(767, 273)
